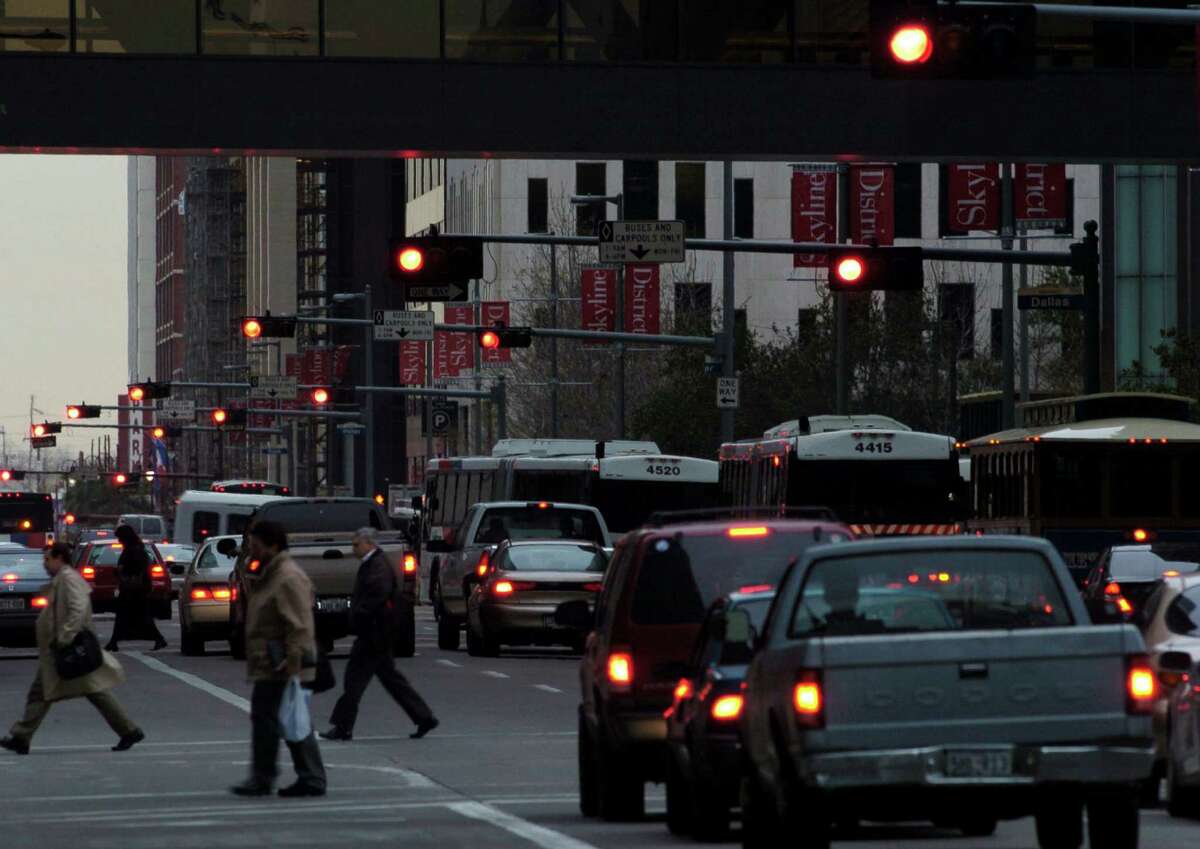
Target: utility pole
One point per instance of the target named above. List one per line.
(728, 303)
(1008, 401)
(1090, 259)
(620, 329)
(553, 342)
(842, 326)
(369, 351)
(1023, 321)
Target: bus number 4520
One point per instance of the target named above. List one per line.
(663, 470)
(873, 447)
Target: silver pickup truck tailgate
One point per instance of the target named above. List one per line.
(1044, 685)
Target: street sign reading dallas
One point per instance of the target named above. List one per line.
(641, 241)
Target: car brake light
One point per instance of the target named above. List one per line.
(751, 531)
(1112, 588)
(221, 595)
(233, 594)
(727, 707)
(39, 601)
(808, 699)
(620, 670)
(201, 594)
(1123, 605)
(593, 587)
(89, 574)
(481, 567)
(1170, 678)
(754, 588)
(410, 564)
(157, 571)
(683, 690)
(502, 588)
(10, 577)
(1141, 688)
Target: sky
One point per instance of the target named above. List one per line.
(63, 279)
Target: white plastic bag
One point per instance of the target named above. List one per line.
(293, 712)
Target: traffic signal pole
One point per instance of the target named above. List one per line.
(841, 304)
(728, 305)
(1008, 409)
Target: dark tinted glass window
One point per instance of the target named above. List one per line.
(639, 185)
(554, 558)
(908, 200)
(933, 590)
(518, 523)
(590, 179)
(306, 518)
(539, 203)
(743, 209)
(1183, 614)
(1072, 483)
(204, 525)
(997, 334)
(1145, 484)
(689, 197)
(679, 579)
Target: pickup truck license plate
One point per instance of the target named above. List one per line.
(978, 764)
(548, 621)
(12, 604)
(333, 605)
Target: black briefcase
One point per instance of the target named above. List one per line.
(325, 679)
(82, 657)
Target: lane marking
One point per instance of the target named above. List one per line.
(547, 838)
(445, 662)
(547, 688)
(491, 673)
(193, 681)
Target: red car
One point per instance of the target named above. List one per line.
(97, 563)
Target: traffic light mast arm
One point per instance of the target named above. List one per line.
(1124, 14)
(594, 335)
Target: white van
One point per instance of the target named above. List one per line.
(201, 515)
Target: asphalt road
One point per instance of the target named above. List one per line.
(499, 772)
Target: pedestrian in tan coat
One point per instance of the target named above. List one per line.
(67, 612)
(280, 645)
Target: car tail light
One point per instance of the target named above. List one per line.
(201, 594)
(510, 587)
(593, 587)
(89, 574)
(410, 564)
(1112, 588)
(39, 601)
(233, 593)
(620, 670)
(1141, 687)
(683, 690)
(481, 567)
(222, 595)
(1170, 678)
(1124, 606)
(10, 577)
(157, 571)
(755, 588)
(808, 699)
(748, 531)
(727, 708)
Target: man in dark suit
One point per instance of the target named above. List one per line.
(372, 617)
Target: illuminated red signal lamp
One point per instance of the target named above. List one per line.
(849, 269)
(136, 393)
(120, 478)
(252, 328)
(219, 417)
(158, 433)
(911, 44)
(410, 259)
(489, 340)
(319, 396)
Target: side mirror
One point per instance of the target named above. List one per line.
(227, 547)
(574, 614)
(178, 568)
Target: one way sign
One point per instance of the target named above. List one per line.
(641, 241)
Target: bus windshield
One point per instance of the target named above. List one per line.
(26, 517)
(626, 504)
(892, 491)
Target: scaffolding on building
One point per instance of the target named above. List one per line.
(313, 188)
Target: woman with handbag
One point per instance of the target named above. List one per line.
(134, 618)
(71, 664)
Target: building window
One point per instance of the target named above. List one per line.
(639, 185)
(743, 208)
(908, 200)
(539, 202)
(693, 306)
(997, 333)
(590, 179)
(689, 197)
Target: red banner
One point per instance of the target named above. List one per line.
(872, 204)
(291, 365)
(462, 345)
(973, 197)
(814, 212)
(412, 363)
(642, 298)
(598, 305)
(441, 356)
(341, 362)
(489, 313)
(1040, 196)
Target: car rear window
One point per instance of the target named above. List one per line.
(108, 554)
(554, 558)
(681, 576)
(533, 522)
(307, 518)
(1149, 564)
(23, 565)
(936, 590)
(213, 559)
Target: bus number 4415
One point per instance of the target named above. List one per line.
(873, 447)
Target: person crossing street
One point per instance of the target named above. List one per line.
(372, 621)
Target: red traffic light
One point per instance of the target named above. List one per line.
(410, 259)
(39, 430)
(5, 475)
(136, 393)
(69, 519)
(158, 433)
(73, 412)
(83, 411)
(219, 416)
(320, 396)
(489, 340)
(120, 479)
(911, 44)
(252, 328)
(849, 269)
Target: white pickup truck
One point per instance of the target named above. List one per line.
(954, 679)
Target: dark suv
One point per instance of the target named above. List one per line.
(1127, 575)
(661, 581)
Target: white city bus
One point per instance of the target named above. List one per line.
(625, 480)
(876, 474)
